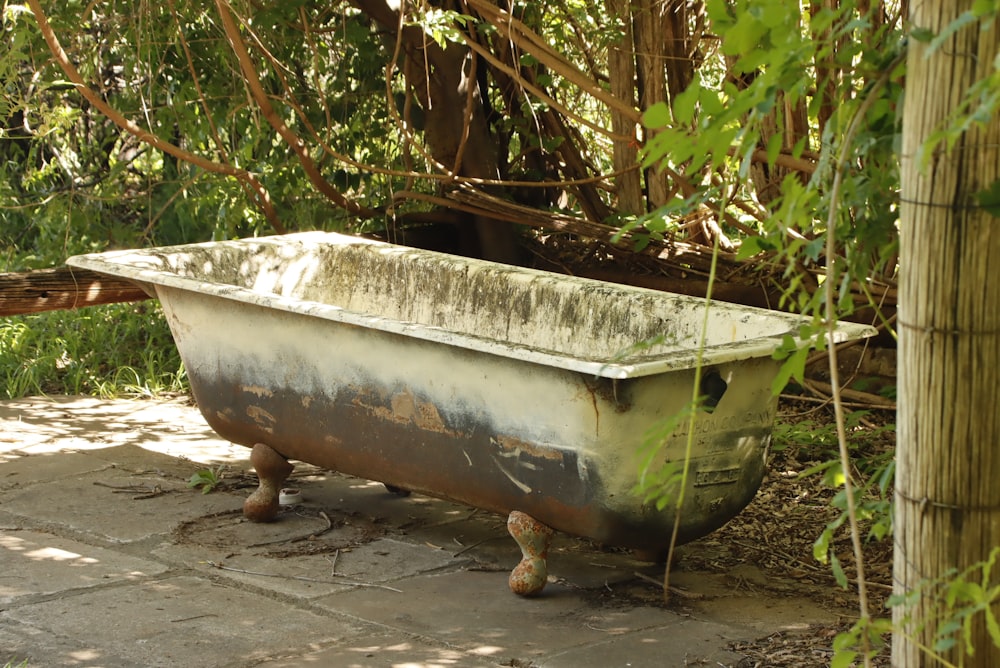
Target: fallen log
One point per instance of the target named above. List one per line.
(62, 288)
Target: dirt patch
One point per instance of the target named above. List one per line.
(768, 548)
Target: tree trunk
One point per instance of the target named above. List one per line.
(458, 135)
(456, 130)
(621, 72)
(948, 457)
(650, 53)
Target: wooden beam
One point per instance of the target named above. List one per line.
(62, 288)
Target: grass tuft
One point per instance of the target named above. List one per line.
(108, 351)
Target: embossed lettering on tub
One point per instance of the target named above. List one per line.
(710, 424)
(726, 476)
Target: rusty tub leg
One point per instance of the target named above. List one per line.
(528, 577)
(272, 470)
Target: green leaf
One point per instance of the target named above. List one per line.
(991, 624)
(774, 145)
(800, 146)
(749, 247)
(684, 104)
(838, 571)
(843, 659)
(711, 102)
(983, 8)
(989, 199)
(744, 36)
(641, 241)
(793, 367)
(776, 14)
(943, 645)
(821, 546)
(658, 115)
(206, 478)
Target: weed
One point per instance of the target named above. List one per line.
(207, 479)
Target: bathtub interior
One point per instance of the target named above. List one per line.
(426, 293)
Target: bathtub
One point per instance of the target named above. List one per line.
(508, 389)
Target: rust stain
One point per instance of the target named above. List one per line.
(597, 411)
(516, 446)
(380, 412)
(262, 418)
(610, 391)
(428, 417)
(424, 414)
(405, 408)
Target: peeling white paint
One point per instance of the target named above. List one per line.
(517, 483)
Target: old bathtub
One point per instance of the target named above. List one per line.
(503, 388)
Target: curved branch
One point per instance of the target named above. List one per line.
(260, 97)
(530, 42)
(263, 199)
(251, 186)
(539, 93)
(390, 68)
(783, 160)
(470, 100)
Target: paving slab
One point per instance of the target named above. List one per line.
(390, 651)
(685, 642)
(107, 558)
(25, 645)
(474, 610)
(182, 621)
(21, 470)
(309, 576)
(115, 504)
(37, 564)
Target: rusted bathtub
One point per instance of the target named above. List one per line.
(503, 388)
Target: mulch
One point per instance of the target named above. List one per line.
(776, 533)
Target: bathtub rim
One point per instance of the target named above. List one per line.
(114, 263)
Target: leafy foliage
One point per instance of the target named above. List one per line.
(960, 600)
(833, 67)
(68, 170)
(824, 66)
(105, 350)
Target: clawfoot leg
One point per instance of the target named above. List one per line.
(528, 577)
(272, 470)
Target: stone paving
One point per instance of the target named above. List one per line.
(108, 558)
